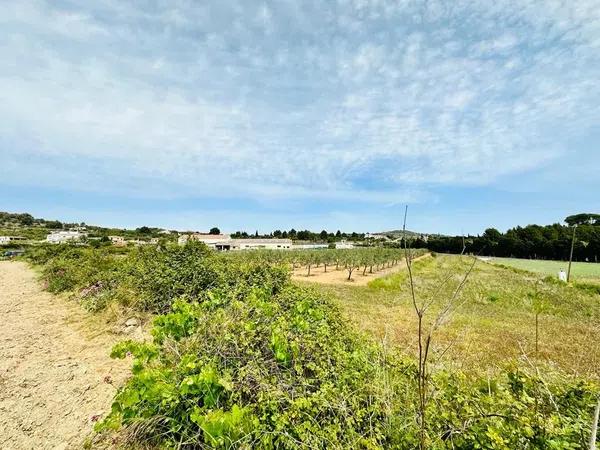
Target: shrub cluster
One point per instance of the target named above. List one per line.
(149, 278)
(241, 357)
(259, 371)
(283, 370)
(517, 410)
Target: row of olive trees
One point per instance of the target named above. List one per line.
(367, 260)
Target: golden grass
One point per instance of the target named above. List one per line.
(494, 327)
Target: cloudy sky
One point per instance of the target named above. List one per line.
(318, 114)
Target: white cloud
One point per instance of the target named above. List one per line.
(365, 98)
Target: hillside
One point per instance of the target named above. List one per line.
(397, 234)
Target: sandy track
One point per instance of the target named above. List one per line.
(332, 276)
(52, 370)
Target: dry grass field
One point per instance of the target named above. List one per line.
(495, 324)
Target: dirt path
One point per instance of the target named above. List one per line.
(52, 370)
(332, 276)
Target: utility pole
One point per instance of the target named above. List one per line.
(571, 256)
(595, 426)
(404, 226)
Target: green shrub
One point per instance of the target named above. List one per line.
(75, 268)
(160, 275)
(515, 411)
(493, 297)
(590, 288)
(41, 254)
(151, 277)
(242, 358)
(284, 371)
(263, 371)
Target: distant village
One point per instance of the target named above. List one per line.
(224, 242)
(26, 229)
(219, 242)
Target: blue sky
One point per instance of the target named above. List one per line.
(307, 114)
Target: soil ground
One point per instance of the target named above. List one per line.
(56, 376)
(332, 276)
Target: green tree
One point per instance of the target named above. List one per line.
(54, 224)
(303, 235)
(583, 219)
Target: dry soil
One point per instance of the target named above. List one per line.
(56, 376)
(332, 276)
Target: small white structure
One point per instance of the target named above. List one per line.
(255, 244)
(562, 275)
(138, 242)
(309, 246)
(376, 236)
(60, 237)
(342, 245)
(5, 240)
(118, 241)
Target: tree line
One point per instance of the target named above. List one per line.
(25, 219)
(302, 235)
(533, 241)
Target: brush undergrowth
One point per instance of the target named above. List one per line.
(242, 358)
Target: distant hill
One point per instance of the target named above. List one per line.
(396, 234)
(36, 229)
(26, 225)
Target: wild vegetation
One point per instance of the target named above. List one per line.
(496, 323)
(241, 357)
(36, 229)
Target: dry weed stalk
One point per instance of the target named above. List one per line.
(425, 334)
(595, 426)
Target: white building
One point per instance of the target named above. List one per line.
(59, 237)
(376, 236)
(344, 245)
(255, 244)
(140, 242)
(309, 246)
(4, 240)
(118, 241)
(224, 242)
(209, 239)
